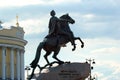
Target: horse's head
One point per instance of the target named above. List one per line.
(67, 18)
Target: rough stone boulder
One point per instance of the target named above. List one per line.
(67, 71)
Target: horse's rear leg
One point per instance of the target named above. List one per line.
(55, 56)
(45, 56)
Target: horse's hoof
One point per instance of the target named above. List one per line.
(68, 62)
(61, 62)
(82, 46)
(73, 49)
(41, 68)
(50, 65)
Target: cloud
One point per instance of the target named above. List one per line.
(88, 16)
(111, 50)
(34, 26)
(100, 49)
(91, 21)
(101, 43)
(30, 26)
(92, 25)
(12, 3)
(19, 3)
(108, 69)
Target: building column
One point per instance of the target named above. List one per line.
(22, 65)
(12, 64)
(18, 64)
(3, 63)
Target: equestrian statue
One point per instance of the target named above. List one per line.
(59, 35)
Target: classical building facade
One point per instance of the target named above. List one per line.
(12, 53)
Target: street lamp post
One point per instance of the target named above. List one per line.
(27, 68)
(90, 61)
(0, 24)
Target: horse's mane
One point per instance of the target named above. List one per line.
(63, 16)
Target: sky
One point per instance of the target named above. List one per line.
(96, 22)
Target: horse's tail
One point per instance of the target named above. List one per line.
(34, 63)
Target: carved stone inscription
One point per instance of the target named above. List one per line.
(68, 74)
(72, 71)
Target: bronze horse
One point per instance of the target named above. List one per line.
(53, 44)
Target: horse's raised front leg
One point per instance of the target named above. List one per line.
(75, 38)
(73, 43)
(74, 47)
